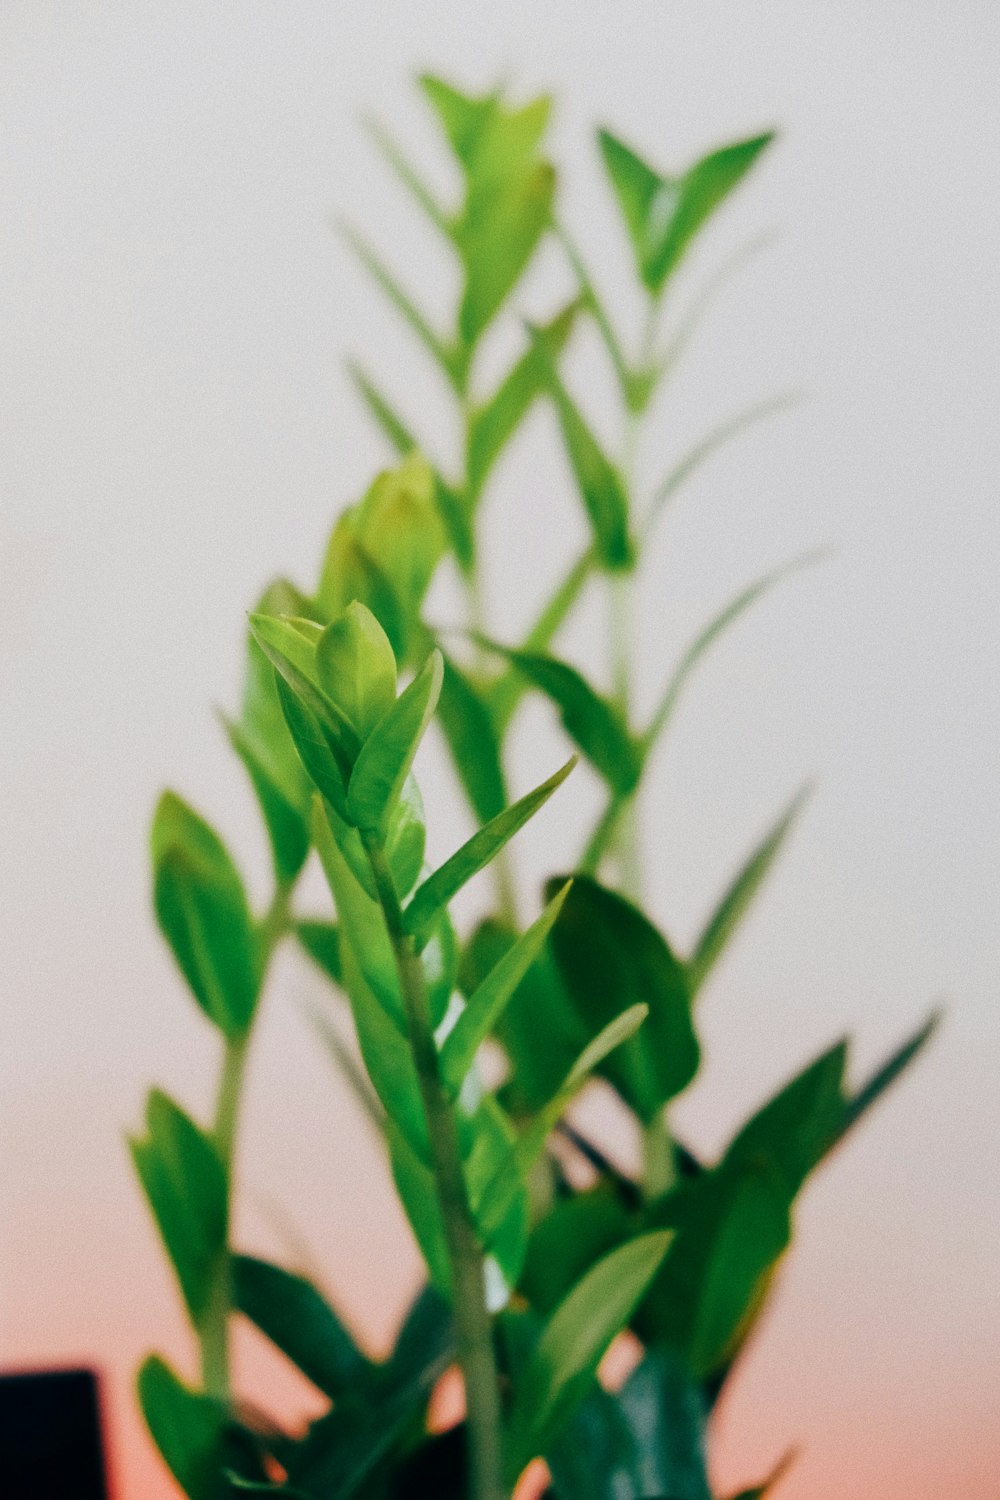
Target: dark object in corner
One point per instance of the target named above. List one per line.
(50, 1437)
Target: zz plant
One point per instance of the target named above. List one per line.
(540, 1251)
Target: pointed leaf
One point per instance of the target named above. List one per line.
(301, 1323)
(600, 485)
(702, 189)
(592, 723)
(321, 942)
(573, 1342)
(611, 956)
(506, 693)
(184, 1180)
(858, 1104)
(350, 572)
(637, 188)
(487, 1002)
(401, 300)
(740, 893)
(287, 828)
(187, 1427)
(472, 740)
(497, 237)
(321, 759)
(388, 420)
(293, 656)
(475, 854)
(202, 911)
(387, 755)
(409, 177)
(494, 423)
(711, 634)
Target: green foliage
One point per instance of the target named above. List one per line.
(474, 1045)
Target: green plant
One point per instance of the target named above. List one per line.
(531, 1278)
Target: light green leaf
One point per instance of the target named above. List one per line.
(474, 855)
(350, 572)
(593, 723)
(301, 1323)
(392, 425)
(711, 634)
(497, 236)
(738, 896)
(186, 1426)
(574, 1340)
(487, 1002)
(387, 755)
(356, 667)
(611, 956)
(184, 1180)
(320, 759)
(293, 656)
(202, 911)
(399, 523)
(494, 423)
(599, 483)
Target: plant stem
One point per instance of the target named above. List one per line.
(213, 1329)
(626, 826)
(476, 1354)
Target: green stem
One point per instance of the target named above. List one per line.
(213, 1329)
(659, 1166)
(474, 1330)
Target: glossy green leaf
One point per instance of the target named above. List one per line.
(398, 522)
(494, 423)
(322, 758)
(202, 911)
(738, 896)
(611, 956)
(664, 214)
(186, 1426)
(301, 1323)
(707, 638)
(487, 1002)
(573, 1342)
(387, 755)
(648, 1438)
(593, 723)
(473, 742)
(475, 854)
(356, 667)
(184, 1180)
(401, 301)
(794, 1129)
(599, 483)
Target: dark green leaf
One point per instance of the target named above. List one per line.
(506, 693)
(472, 740)
(186, 1426)
(566, 1242)
(387, 755)
(858, 1104)
(573, 1342)
(727, 915)
(202, 911)
(600, 485)
(494, 423)
(646, 1439)
(294, 1316)
(184, 1180)
(610, 956)
(487, 1002)
(758, 1491)
(475, 854)
(592, 723)
(793, 1131)
(322, 758)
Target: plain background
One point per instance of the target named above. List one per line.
(177, 427)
